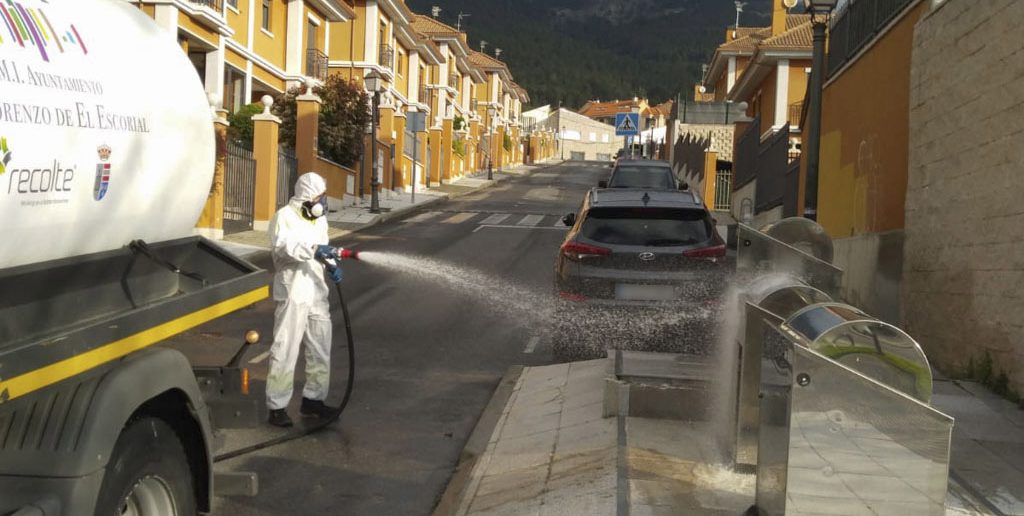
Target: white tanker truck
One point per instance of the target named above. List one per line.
(106, 143)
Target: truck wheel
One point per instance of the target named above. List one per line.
(148, 474)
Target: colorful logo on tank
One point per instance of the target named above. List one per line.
(29, 26)
(99, 189)
(5, 155)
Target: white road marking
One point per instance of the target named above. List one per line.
(459, 218)
(531, 346)
(530, 220)
(422, 217)
(506, 226)
(560, 224)
(260, 358)
(497, 218)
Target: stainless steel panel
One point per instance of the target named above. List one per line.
(834, 441)
(772, 298)
(759, 253)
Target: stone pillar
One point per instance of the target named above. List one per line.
(710, 178)
(265, 127)
(435, 154)
(386, 136)
(211, 220)
(403, 173)
(307, 129)
(447, 137)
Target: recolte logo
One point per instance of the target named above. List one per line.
(5, 155)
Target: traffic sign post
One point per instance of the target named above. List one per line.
(626, 125)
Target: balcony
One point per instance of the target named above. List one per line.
(214, 5)
(316, 64)
(453, 81)
(387, 57)
(424, 94)
(796, 112)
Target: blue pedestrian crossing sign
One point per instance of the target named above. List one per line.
(627, 124)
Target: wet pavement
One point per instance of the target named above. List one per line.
(428, 357)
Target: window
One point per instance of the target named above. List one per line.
(233, 4)
(401, 62)
(654, 227)
(265, 23)
(604, 138)
(312, 36)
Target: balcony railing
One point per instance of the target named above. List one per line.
(858, 24)
(214, 5)
(453, 80)
(387, 57)
(316, 64)
(796, 112)
(424, 94)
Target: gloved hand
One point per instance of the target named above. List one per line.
(326, 252)
(335, 274)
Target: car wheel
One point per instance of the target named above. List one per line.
(148, 473)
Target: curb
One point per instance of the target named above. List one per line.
(449, 502)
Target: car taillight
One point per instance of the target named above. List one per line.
(713, 252)
(577, 251)
(569, 296)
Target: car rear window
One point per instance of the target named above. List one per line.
(642, 177)
(648, 227)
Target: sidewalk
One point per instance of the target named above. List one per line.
(556, 443)
(354, 213)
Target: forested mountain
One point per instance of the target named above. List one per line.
(577, 50)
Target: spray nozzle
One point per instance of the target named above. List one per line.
(348, 254)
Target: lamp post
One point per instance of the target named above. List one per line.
(374, 84)
(561, 142)
(491, 111)
(820, 11)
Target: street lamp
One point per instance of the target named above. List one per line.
(374, 82)
(820, 11)
(491, 111)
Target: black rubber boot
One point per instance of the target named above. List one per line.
(280, 418)
(316, 408)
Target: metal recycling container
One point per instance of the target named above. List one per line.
(774, 297)
(845, 424)
(795, 246)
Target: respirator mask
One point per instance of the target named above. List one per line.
(313, 210)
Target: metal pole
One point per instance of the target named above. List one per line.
(813, 144)
(374, 179)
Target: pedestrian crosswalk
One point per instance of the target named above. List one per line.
(484, 219)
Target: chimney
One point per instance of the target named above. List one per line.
(779, 13)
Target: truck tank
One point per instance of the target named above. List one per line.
(105, 131)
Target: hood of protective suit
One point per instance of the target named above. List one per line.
(309, 186)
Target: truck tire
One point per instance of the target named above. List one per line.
(148, 473)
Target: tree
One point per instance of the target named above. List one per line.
(344, 116)
(240, 129)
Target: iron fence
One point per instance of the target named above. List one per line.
(287, 175)
(424, 94)
(239, 189)
(723, 189)
(748, 147)
(316, 64)
(772, 165)
(387, 57)
(689, 156)
(796, 111)
(856, 26)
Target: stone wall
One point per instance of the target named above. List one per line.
(963, 288)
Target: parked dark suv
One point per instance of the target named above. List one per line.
(642, 173)
(640, 269)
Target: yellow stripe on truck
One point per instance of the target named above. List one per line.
(78, 364)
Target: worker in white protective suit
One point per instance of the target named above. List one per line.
(298, 236)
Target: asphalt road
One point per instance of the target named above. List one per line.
(429, 353)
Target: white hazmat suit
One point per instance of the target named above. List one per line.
(301, 292)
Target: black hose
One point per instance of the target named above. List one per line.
(322, 423)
